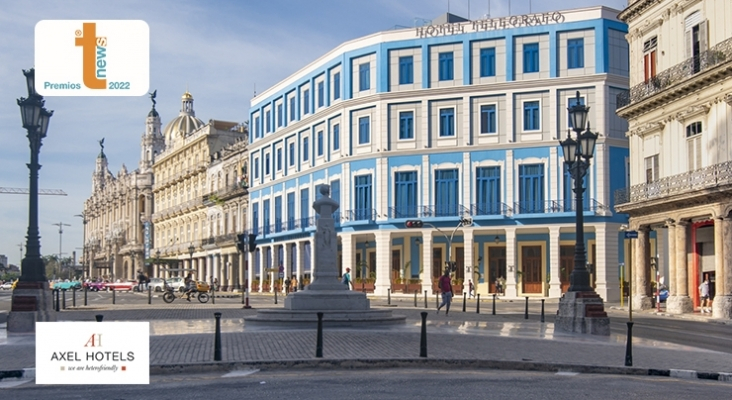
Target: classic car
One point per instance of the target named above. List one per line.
(95, 286)
(120, 285)
(67, 285)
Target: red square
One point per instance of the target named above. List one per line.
(124, 368)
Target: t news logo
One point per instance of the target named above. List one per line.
(92, 58)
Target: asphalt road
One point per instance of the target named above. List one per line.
(384, 384)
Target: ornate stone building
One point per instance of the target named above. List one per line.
(118, 212)
(680, 165)
(190, 223)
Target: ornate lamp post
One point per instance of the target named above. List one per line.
(580, 309)
(191, 250)
(31, 301)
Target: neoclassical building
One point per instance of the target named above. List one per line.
(197, 212)
(117, 215)
(680, 130)
(455, 124)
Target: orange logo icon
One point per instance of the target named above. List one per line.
(94, 56)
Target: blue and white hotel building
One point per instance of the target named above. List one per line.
(457, 119)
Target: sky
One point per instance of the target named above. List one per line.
(221, 51)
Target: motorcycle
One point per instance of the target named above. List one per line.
(170, 295)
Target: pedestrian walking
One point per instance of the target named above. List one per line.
(346, 280)
(704, 293)
(445, 287)
(471, 291)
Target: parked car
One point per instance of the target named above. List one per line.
(95, 286)
(156, 284)
(7, 286)
(121, 285)
(67, 285)
(202, 286)
(177, 283)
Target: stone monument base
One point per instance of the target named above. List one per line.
(642, 302)
(722, 307)
(679, 305)
(582, 312)
(32, 302)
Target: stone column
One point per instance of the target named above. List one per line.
(468, 264)
(300, 263)
(347, 248)
(426, 276)
(511, 264)
(671, 238)
(722, 304)
(249, 272)
(286, 263)
(680, 302)
(229, 271)
(641, 301)
(606, 258)
(555, 284)
(276, 263)
(383, 262)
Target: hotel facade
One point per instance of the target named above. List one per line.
(456, 124)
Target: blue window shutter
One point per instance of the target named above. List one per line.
(488, 119)
(279, 159)
(278, 214)
(447, 122)
(256, 168)
(266, 165)
(406, 70)
(336, 136)
(575, 53)
(364, 76)
(335, 190)
(337, 85)
(405, 195)
(406, 125)
(306, 149)
(363, 130)
(321, 94)
(531, 57)
(306, 101)
(268, 118)
(531, 188)
(362, 201)
(291, 211)
(445, 67)
(279, 115)
(488, 191)
(320, 143)
(291, 155)
(531, 116)
(446, 192)
(488, 62)
(304, 207)
(265, 217)
(255, 218)
(292, 108)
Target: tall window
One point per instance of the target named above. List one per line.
(305, 149)
(488, 62)
(652, 168)
(336, 86)
(255, 218)
(364, 136)
(278, 214)
(405, 195)
(364, 76)
(531, 57)
(575, 53)
(304, 208)
(291, 211)
(320, 143)
(695, 39)
(279, 159)
(256, 168)
(268, 120)
(649, 58)
(267, 163)
(292, 108)
(531, 188)
(488, 118)
(265, 216)
(531, 116)
(446, 192)
(447, 122)
(693, 145)
(280, 116)
(291, 154)
(571, 103)
(336, 137)
(257, 128)
(321, 94)
(306, 101)
(362, 188)
(488, 190)
(406, 70)
(445, 67)
(406, 125)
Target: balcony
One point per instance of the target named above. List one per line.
(674, 77)
(680, 184)
(359, 214)
(556, 206)
(495, 208)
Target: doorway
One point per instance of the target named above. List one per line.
(496, 266)
(531, 269)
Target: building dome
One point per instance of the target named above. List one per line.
(185, 123)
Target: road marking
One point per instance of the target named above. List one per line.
(567, 373)
(239, 373)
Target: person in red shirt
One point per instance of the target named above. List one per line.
(446, 288)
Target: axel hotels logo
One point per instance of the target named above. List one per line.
(92, 58)
(92, 352)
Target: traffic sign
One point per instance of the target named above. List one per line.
(282, 269)
(282, 274)
(631, 234)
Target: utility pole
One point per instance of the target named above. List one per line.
(20, 246)
(60, 235)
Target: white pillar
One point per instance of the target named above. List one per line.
(606, 271)
(347, 251)
(426, 275)
(300, 261)
(285, 263)
(229, 271)
(469, 265)
(511, 264)
(383, 262)
(555, 284)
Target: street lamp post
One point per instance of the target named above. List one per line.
(581, 295)
(191, 250)
(31, 302)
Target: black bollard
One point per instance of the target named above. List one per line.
(149, 295)
(213, 295)
(423, 337)
(388, 296)
(415, 298)
(99, 317)
(465, 295)
(542, 310)
(275, 292)
(319, 344)
(494, 304)
(477, 305)
(114, 296)
(58, 302)
(526, 309)
(217, 337)
(63, 299)
(425, 299)
(86, 289)
(437, 299)
(73, 297)
(629, 346)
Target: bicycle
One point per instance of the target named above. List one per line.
(169, 296)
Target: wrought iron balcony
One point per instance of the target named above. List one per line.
(687, 182)
(360, 214)
(556, 206)
(493, 208)
(706, 60)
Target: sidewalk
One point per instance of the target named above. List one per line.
(470, 340)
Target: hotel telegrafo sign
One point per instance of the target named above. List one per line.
(490, 24)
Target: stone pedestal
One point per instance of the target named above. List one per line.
(679, 305)
(582, 312)
(722, 307)
(32, 302)
(642, 302)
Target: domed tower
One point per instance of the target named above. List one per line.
(153, 141)
(184, 124)
(101, 170)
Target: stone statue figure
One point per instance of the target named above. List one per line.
(153, 95)
(101, 144)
